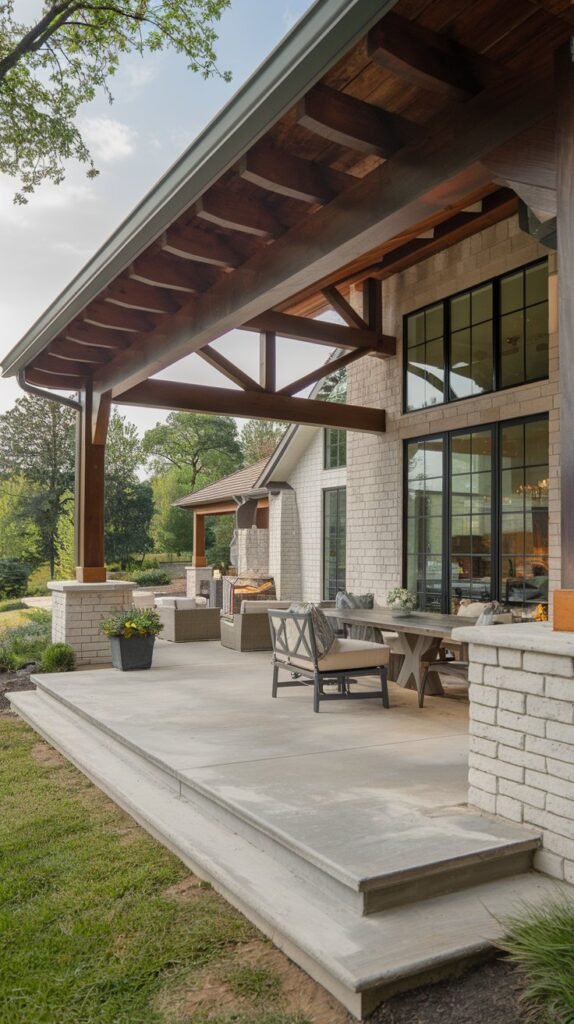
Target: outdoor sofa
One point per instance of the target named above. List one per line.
(188, 619)
(248, 629)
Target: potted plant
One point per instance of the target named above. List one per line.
(401, 601)
(132, 634)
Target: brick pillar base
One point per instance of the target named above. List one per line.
(195, 575)
(77, 610)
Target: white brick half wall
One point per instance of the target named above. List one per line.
(521, 760)
(78, 609)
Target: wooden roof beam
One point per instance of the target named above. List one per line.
(276, 170)
(201, 246)
(352, 123)
(42, 379)
(422, 58)
(61, 367)
(321, 372)
(320, 332)
(162, 271)
(236, 213)
(106, 314)
(85, 334)
(339, 303)
(136, 295)
(75, 352)
(227, 368)
(168, 394)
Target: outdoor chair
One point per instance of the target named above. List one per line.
(295, 651)
(248, 629)
(188, 619)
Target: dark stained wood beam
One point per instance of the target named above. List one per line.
(61, 367)
(85, 334)
(320, 332)
(72, 350)
(228, 369)
(321, 372)
(41, 379)
(168, 394)
(236, 213)
(422, 58)
(373, 305)
(339, 303)
(201, 246)
(136, 295)
(415, 185)
(91, 566)
(106, 314)
(278, 171)
(268, 360)
(352, 123)
(163, 271)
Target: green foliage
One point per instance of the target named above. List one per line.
(13, 578)
(25, 645)
(207, 446)
(259, 439)
(136, 621)
(334, 387)
(65, 540)
(151, 578)
(128, 502)
(49, 69)
(89, 924)
(218, 535)
(171, 528)
(58, 658)
(11, 606)
(541, 942)
(19, 534)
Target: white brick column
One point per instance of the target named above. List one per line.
(77, 610)
(194, 577)
(521, 760)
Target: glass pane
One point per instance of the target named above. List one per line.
(537, 341)
(482, 491)
(416, 329)
(434, 376)
(512, 349)
(460, 454)
(512, 534)
(512, 292)
(535, 488)
(433, 459)
(512, 445)
(460, 532)
(425, 522)
(482, 304)
(460, 312)
(481, 450)
(460, 364)
(434, 322)
(416, 388)
(536, 434)
(537, 284)
(482, 358)
(513, 490)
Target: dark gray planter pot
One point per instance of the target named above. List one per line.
(135, 653)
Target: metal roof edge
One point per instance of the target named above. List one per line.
(323, 35)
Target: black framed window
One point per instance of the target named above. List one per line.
(476, 515)
(335, 448)
(484, 339)
(334, 541)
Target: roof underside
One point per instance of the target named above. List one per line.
(401, 136)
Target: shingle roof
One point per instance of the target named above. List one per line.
(240, 482)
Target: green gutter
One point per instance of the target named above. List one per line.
(319, 39)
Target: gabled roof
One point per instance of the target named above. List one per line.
(236, 484)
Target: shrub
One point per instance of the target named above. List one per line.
(541, 942)
(11, 606)
(152, 578)
(13, 577)
(58, 658)
(25, 645)
(135, 622)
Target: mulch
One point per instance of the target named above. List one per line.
(19, 680)
(489, 994)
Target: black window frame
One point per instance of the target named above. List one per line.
(327, 433)
(496, 353)
(496, 428)
(326, 491)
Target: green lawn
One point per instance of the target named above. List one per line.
(99, 924)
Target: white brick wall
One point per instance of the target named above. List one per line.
(521, 760)
(77, 610)
(374, 471)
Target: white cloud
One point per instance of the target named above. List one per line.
(108, 140)
(139, 73)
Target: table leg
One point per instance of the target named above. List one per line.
(418, 651)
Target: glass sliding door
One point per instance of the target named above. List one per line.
(334, 541)
(424, 522)
(470, 527)
(524, 512)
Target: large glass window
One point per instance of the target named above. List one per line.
(490, 487)
(487, 338)
(335, 448)
(334, 541)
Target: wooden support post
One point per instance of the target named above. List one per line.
(373, 304)
(267, 360)
(90, 492)
(198, 560)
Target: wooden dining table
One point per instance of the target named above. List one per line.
(420, 636)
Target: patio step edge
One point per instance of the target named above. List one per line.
(507, 855)
(360, 960)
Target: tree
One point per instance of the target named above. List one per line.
(171, 528)
(259, 439)
(19, 534)
(48, 69)
(128, 502)
(207, 446)
(37, 441)
(66, 542)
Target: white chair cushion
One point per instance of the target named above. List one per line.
(348, 654)
(181, 604)
(472, 610)
(165, 602)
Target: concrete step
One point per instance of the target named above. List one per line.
(360, 960)
(442, 851)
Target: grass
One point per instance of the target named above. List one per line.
(24, 636)
(541, 942)
(90, 929)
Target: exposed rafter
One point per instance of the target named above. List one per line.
(236, 213)
(268, 360)
(167, 394)
(75, 352)
(321, 372)
(339, 303)
(278, 171)
(86, 334)
(351, 122)
(145, 297)
(228, 369)
(106, 314)
(320, 332)
(201, 246)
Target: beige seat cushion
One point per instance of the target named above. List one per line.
(471, 610)
(348, 654)
(181, 604)
(257, 607)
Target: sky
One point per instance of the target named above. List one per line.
(159, 108)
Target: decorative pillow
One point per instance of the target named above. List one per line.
(347, 600)
(322, 629)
